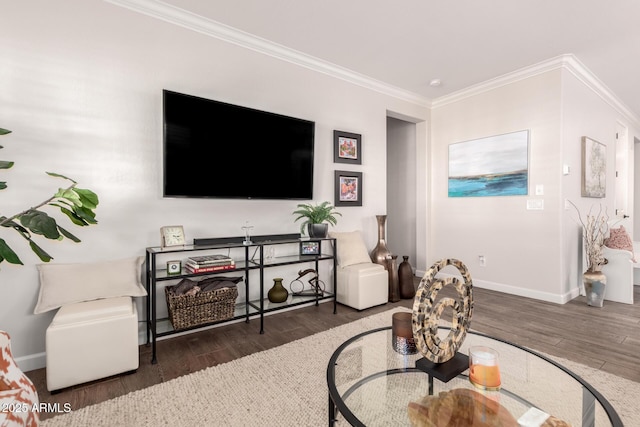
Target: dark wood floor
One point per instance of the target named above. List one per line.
(607, 338)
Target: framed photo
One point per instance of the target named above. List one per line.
(348, 190)
(347, 147)
(491, 166)
(310, 247)
(594, 168)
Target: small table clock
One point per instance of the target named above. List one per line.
(174, 267)
(172, 235)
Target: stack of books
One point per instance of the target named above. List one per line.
(209, 263)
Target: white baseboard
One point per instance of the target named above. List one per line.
(31, 362)
(514, 290)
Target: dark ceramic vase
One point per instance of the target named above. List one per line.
(405, 276)
(394, 285)
(278, 293)
(381, 253)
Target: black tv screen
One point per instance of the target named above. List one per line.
(215, 149)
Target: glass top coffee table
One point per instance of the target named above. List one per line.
(370, 384)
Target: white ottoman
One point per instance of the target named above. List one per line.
(362, 285)
(91, 340)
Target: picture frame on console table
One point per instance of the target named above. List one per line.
(348, 188)
(347, 147)
(310, 247)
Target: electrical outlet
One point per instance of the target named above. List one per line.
(482, 261)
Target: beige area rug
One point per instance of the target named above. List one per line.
(284, 386)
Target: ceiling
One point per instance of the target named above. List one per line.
(408, 43)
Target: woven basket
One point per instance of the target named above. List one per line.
(204, 307)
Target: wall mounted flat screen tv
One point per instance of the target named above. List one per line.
(215, 149)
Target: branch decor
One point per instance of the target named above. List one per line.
(76, 203)
(594, 231)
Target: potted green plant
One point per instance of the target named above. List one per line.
(76, 203)
(316, 218)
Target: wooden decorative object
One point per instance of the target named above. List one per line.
(426, 312)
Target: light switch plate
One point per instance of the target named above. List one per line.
(535, 204)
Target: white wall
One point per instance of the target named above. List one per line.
(521, 246)
(585, 113)
(80, 86)
(528, 252)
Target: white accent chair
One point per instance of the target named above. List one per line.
(90, 340)
(94, 334)
(620, 271)
(620, 268)
(361, 284)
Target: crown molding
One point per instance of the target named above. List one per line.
(568, 62)
(183, 18)
(586, 77)
(497, 82)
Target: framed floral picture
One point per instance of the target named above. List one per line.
(347, 147)
(348, 188)
(594, 168)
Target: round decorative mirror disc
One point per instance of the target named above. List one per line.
(427, 312)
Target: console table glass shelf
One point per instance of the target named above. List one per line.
(247, 258)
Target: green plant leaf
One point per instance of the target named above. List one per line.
(85, 215)
(8, 254)
(88, 198)
(73, 217)
(57, 175)
(68, 235)
(77, 204)
(69, 194)
(12, 224)
(40, 223)
(42, 254)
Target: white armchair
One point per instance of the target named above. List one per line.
(620, 251)
(620, 273)
(361, 283)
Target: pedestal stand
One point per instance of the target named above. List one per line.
(444, 371)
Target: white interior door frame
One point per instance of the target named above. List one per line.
(622, 177)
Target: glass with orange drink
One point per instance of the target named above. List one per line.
(484, 371)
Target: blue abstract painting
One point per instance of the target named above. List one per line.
(492, 166)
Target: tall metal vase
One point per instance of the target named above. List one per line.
(394, 283)
(594, 286)
(380, 254)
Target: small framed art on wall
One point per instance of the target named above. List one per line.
(594, 168)
(348, 188)
(347, 147)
